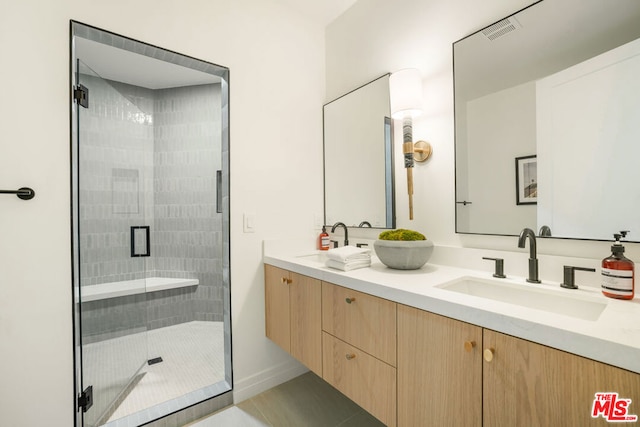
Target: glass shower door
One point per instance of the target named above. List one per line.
(115, 154)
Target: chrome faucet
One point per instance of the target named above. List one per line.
(545, 231)
(533, 260)
(346, 233)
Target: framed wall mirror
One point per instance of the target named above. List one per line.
(150, 192)
(358, 158)
(557, 80)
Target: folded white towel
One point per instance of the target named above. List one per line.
(349, 253)
(347, 266)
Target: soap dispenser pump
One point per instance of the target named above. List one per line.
(323, 240)
(618, 279)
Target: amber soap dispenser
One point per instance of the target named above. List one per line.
(323, 240)
(618, 278)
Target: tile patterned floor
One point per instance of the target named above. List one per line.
(193, 358)
(305, 401)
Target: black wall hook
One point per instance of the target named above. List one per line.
(24, 193)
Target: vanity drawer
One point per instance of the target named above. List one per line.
(362, 320)
(364, 379)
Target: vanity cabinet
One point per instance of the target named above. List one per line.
(293, 315)
(439, 370)
(359, 349)
(454, 373)
(367, 381)
(360, 319)
(528, 384)
(412, 368)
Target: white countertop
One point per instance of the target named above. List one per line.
(613, 338)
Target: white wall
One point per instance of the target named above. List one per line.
(276, 60)
(375, 37)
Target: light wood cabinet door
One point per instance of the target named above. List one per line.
(305, 302)
(528, 384)
(362, 320)
(277, 311)
(361, 377)
(293, 315)
(439, 370)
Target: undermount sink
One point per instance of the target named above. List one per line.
(549, 300)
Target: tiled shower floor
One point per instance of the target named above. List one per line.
(193, 358)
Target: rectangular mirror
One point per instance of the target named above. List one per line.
(358, 158)
(555, 83)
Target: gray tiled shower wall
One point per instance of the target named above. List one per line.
(149, 157)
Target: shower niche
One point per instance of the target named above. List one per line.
(150, 192)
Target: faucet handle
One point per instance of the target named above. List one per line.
(570, 274)
(499, 267)
(335, 243)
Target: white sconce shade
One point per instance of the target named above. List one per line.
(405, 92)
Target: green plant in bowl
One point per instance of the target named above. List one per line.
(403, 249)
(401, 234)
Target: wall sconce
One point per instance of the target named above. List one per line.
(405, 92)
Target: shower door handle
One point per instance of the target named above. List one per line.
(140, 240)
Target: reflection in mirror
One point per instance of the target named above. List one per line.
(559, 81)
(151, 280)
(358, 157)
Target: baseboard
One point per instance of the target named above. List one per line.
(246, 388)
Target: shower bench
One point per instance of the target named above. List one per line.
(132, 287)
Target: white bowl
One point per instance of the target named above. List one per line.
(401, 255)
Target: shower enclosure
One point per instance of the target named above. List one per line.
(150, 230)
